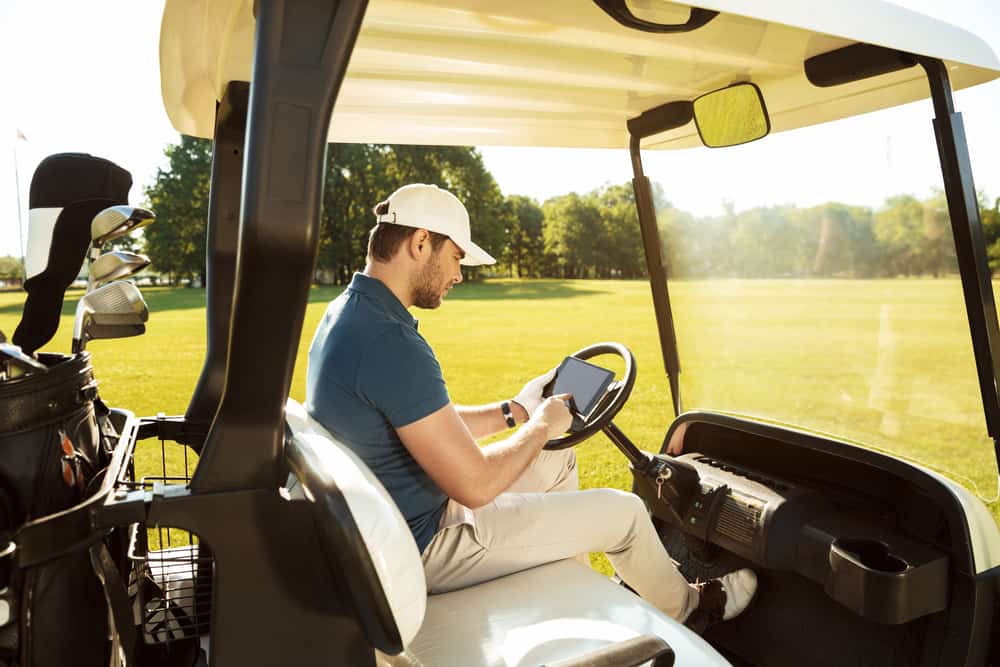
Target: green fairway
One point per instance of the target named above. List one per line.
(490, 337)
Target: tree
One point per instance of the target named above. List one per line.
(623, 255)
(991, 228)
(360, 175)
(179, 197)
(525, 249)
(573, 233)
(11, 269)
(912, 234)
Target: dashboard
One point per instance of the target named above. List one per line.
(860, 557)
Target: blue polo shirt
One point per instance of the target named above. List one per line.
(371, 372)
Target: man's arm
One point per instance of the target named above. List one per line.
(444, 447)
(485, 420)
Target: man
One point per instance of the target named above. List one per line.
(476, 513)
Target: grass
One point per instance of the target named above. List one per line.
(887, 363)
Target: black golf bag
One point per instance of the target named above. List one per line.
(55, 439)
(51, 452)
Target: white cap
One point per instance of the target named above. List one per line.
(429, 207)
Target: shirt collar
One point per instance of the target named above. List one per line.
(376, 289)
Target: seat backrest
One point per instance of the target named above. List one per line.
(367, 541)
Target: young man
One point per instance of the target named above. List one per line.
(476, 513)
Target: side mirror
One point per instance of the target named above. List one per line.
(731, 116)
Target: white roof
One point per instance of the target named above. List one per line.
(562, 72)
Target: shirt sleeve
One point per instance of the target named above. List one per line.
(401, 377)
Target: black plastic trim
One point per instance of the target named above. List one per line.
(221, 246)
(665, 117)
(642, 650)
(274, 600)
(657, 275)
(970, 244)
(301, 53)
(619, 11)
(343, 545)
(961, 541)
(854, 63)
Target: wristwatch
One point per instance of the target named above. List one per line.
(507, 414)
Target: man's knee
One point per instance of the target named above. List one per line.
(623, 503)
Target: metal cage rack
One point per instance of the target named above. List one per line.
(170, 570)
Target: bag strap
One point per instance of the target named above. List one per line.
(116, 595)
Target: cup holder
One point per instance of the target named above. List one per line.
(873, 579)
(871, 554)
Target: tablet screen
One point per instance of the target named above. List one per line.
(585, 381)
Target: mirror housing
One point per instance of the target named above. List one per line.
(731, 116)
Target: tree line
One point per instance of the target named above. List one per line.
(906, 236)
(591, 235)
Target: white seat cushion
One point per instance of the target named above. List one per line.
(553, 612)
(383, 529)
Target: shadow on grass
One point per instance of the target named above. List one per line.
(496, 290)
(163, 299)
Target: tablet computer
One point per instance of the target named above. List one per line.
(585, 381)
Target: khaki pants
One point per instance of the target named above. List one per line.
(542, 518)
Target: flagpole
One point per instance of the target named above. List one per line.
(20, 225)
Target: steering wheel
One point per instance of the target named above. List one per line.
(610, 404)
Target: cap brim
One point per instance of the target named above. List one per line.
(474, 255)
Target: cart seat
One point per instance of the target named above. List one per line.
(554, 612)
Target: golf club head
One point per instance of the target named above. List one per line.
(117, 221)
(117, 303)
(116, 265)
(15, 363)
(94, 331)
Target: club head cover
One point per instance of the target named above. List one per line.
(67, 191)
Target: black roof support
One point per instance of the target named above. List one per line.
(659, 119)
(970, 246)
(301, 53)
(657, 275)
(220, 260)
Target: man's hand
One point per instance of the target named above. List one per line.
(554, 415)
(530, 396)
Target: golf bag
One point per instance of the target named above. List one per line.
(52, 449)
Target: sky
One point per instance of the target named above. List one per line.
(84, 76)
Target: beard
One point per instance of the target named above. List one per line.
(427, 287)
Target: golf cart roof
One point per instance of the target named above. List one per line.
(562, 72)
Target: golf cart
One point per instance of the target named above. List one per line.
(863, 556)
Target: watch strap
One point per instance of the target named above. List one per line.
(507, 414)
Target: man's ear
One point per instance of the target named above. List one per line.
(420, 244)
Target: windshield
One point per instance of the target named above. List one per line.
(810, 308)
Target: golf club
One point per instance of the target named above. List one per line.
(117, 303)
(15, 363)
(115, 265)
(117, 221)
(94, 331)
